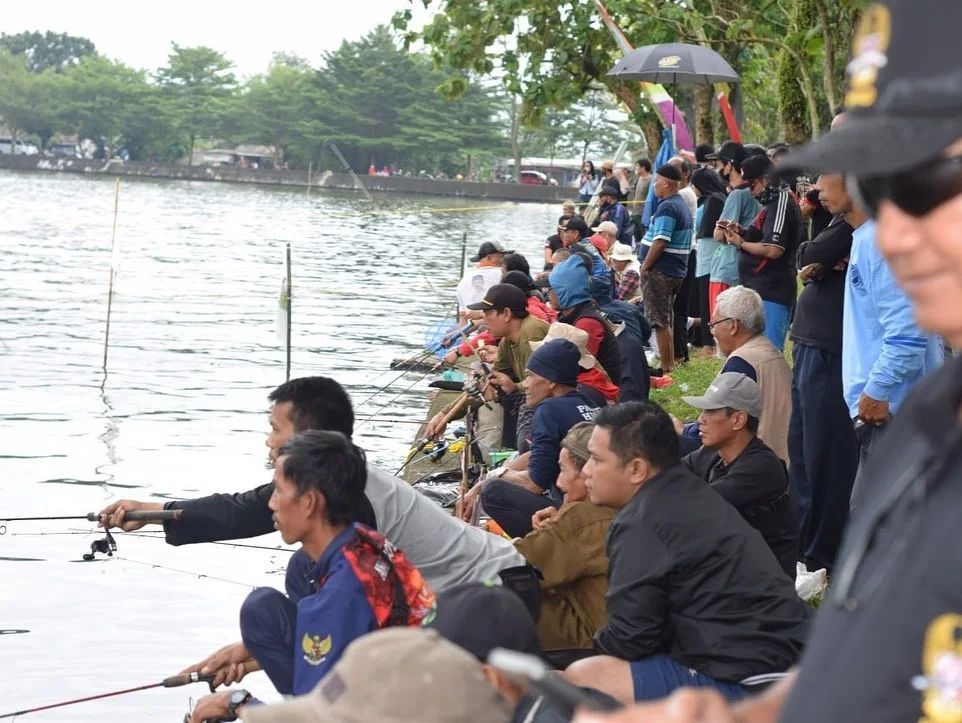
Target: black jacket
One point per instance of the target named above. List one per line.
(688, 577)
(228, 517)
(892, 613)
(609, 354)
(755, 484)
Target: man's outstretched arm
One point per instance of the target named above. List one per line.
(206, 519)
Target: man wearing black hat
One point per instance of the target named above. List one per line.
(574, 236)
(663, 254)
(477, 281)
(611, 210)
(767, 260)
(886, 641)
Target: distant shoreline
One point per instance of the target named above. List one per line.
(291, 178)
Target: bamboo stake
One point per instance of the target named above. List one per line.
(287, 376)
(114, 263)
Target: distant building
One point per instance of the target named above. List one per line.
(243, 156)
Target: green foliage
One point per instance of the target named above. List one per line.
(48, 51)
(378, 102)
(552, 52)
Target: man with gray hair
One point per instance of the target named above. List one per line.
(738, 325)
(609, 230)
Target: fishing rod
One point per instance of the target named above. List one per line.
(393, 399)
(174, 681)
(107, 544)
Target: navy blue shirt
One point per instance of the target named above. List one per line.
(552, 420)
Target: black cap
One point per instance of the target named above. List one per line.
(904, 91)
(730, 152)
(519, 279)
(575, 223)
(703, 152)
(480, 618)
(503, 296)
(490, 247)
(755, 167)
(610, 189)
(669, 171)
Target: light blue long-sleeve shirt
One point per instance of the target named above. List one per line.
(884, 352)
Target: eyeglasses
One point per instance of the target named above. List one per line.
(917, 191)
(711, 327)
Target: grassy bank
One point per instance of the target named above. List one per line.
(691, 378)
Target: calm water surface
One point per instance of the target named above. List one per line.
(182, 410)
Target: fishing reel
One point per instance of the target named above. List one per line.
(106, 545)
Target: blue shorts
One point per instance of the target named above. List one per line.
(778, 318)
(659, 676)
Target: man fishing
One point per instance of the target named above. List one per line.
(359, 582)
(445, 550)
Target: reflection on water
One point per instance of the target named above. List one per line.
(182, 411)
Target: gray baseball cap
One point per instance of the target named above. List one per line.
(732, 390)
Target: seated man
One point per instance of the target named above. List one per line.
(695, 597)
(738, 324)
(360, 582)
(505, 312)
(512, 496)
(738, 465)
(446, 551)
(567, 546)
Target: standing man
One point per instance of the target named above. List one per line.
(476, 281)
(610, 209)
(663, 254)
(821, 441)
(885, 644)
(639, 194)
(767, 259)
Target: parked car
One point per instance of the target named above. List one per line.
(64, 150)
(534, 178)
(20, 148)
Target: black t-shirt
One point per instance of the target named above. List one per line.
(779, 224)
(713, 205)
(818, 314)
(821, 218)
(900, 625)
(553, 243)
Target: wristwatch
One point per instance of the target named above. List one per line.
(236, 700)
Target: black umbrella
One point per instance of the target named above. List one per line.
(673, 63)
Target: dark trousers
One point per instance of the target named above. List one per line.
(867, 438)
(823, 453)
(268, 620)
(511, 505)
(682, 303)
(705, 335)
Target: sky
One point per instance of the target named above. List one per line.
(246, 33)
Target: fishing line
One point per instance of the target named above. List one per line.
(393, 399)
(186, 572)
(416, 360)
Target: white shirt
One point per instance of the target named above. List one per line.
(475, 283)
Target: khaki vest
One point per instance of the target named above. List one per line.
(775, 383)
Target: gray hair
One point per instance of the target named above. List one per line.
(744, 306)
(607, 227)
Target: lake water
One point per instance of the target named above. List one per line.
(182, 408)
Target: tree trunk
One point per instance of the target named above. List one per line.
(704, 132)
(792, 112)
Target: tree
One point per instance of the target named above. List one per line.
(29, 102)
(557, 51)
(273, 107)
(199, 84)
(48, 51)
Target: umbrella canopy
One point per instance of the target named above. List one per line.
(674, 63)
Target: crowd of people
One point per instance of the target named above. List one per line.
(652, 563)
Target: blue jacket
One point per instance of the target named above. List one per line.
(552, 419)
(884, 352)
(349, 602)
(619, 216)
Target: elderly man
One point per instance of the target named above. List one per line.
(663, 254)
(739, 328)
(608, 231)
(695, 597)
(742, 468)
(885, 645)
